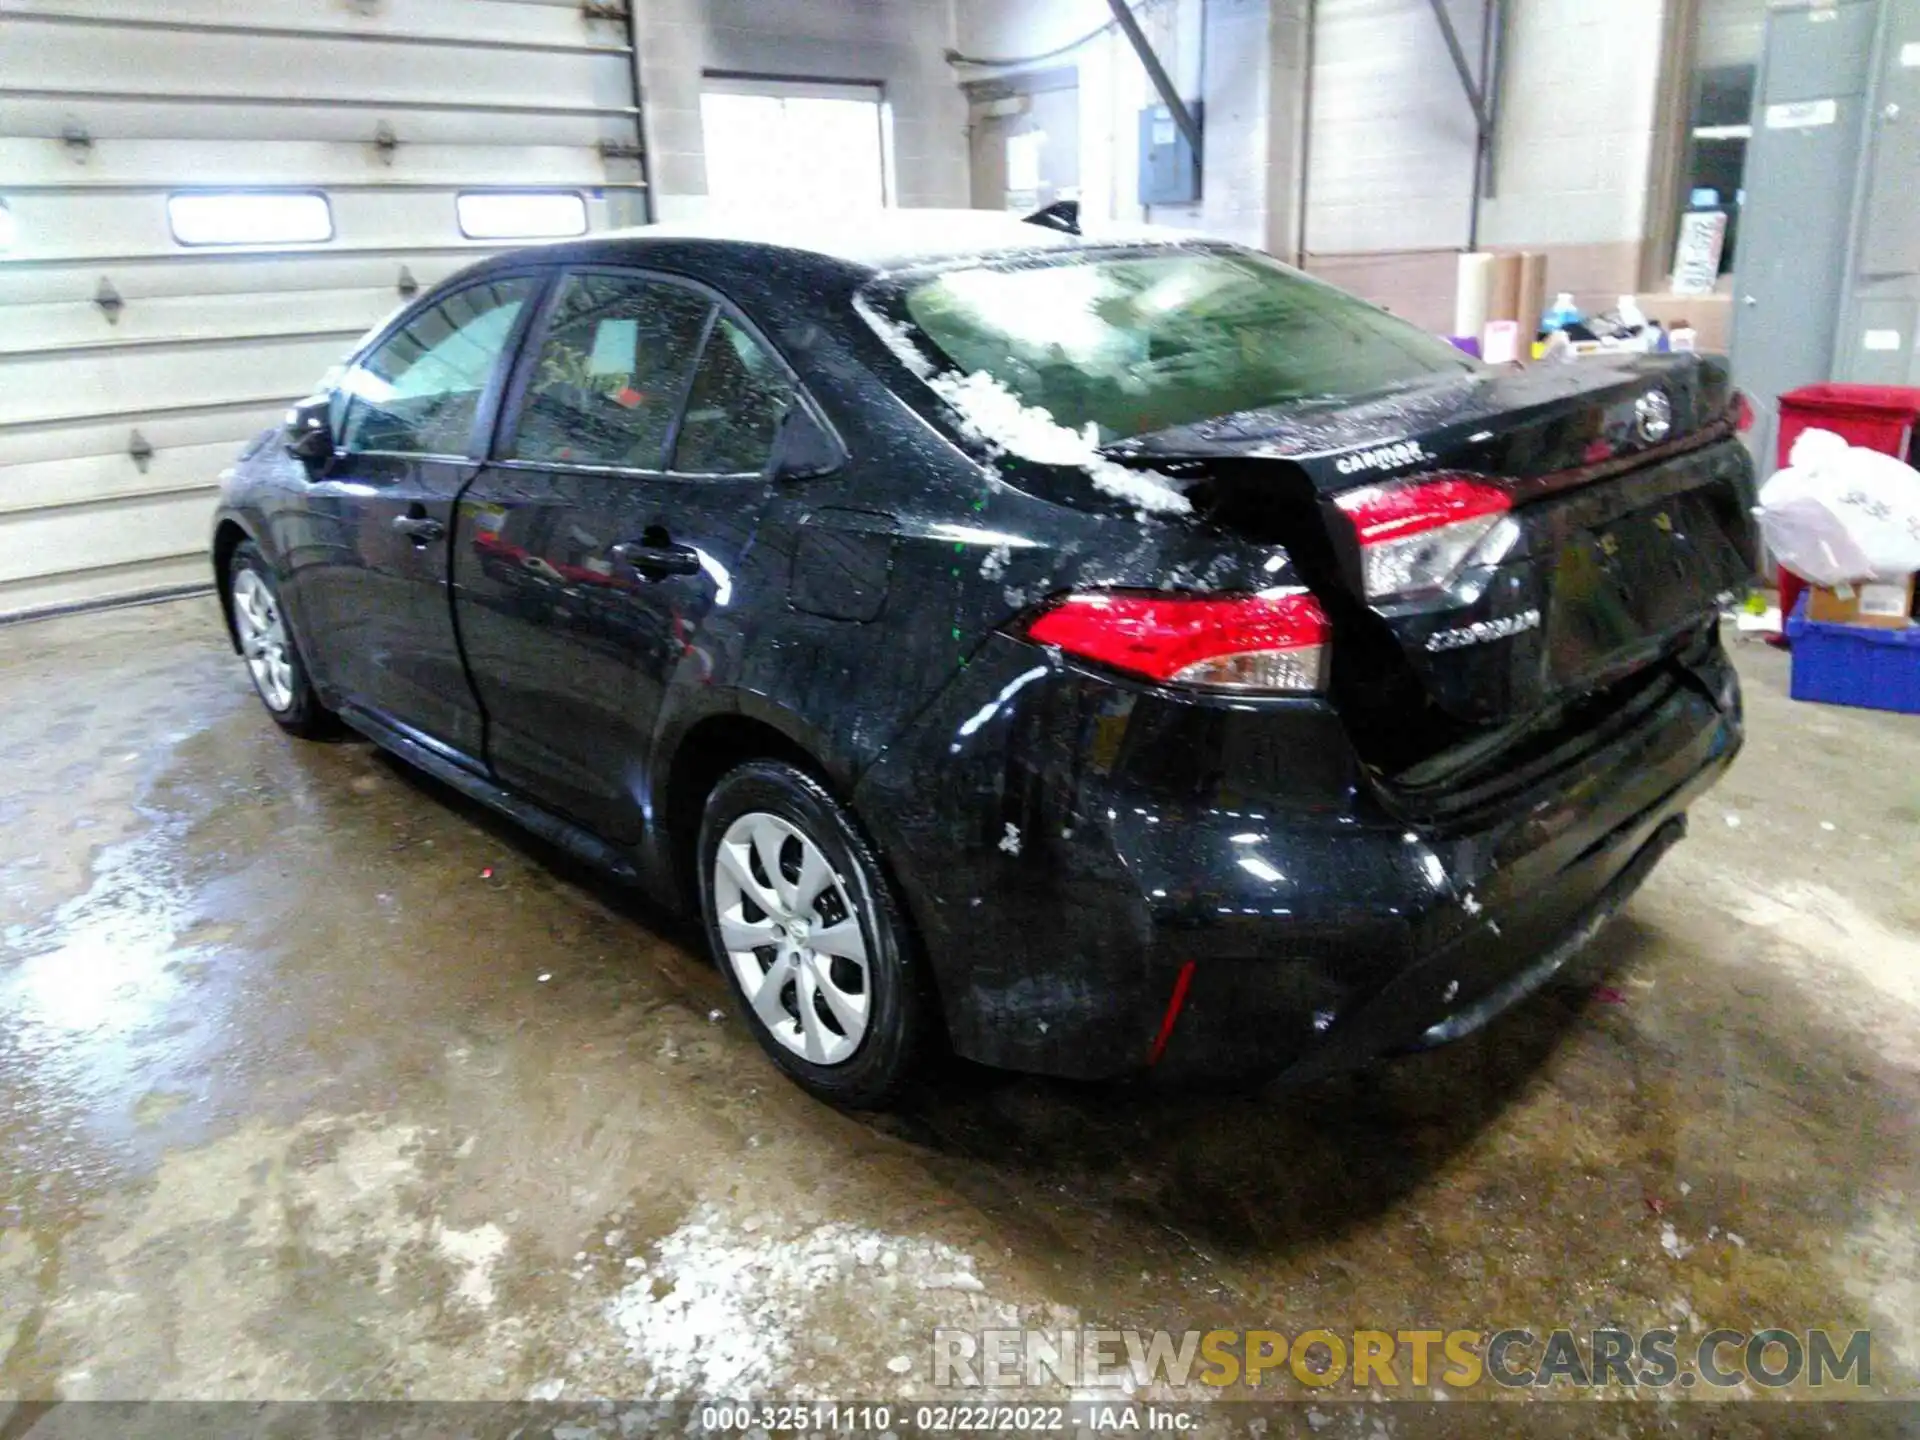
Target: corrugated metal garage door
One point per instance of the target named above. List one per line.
(132, 365)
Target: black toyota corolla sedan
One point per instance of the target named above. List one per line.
(1090, 654)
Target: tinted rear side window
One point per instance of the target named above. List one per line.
(610, 373)
(738, 399)
(1134, 344)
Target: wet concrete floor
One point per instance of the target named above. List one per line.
(317, 1081)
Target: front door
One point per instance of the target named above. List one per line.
(597, 555)
(369, 569)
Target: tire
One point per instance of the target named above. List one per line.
(871, 1006)
(267, 645)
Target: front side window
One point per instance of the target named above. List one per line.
(419, 391)
(1132, 344)
(611, 373)
(739, 397)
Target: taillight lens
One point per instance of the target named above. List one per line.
(1275, 641)
(1416, 536)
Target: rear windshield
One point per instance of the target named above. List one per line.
(1138, 343)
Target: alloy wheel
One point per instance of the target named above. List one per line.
(263, 639)
(793, 937)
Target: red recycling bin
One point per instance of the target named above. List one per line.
(1874, 417)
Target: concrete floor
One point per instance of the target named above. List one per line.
(317, 1081)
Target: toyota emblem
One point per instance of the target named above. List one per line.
(1653, 416)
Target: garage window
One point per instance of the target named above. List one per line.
(521, 214)
(792, 147)
(250, 217)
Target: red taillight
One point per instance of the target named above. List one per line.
(1417, 535)
(1273, 641)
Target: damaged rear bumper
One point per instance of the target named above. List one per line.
(1098, 848)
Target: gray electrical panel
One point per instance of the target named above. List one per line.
(1169, 170)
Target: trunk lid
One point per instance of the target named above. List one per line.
(1628, 498)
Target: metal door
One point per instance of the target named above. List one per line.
(1801, 164)
(1890, 238)
(1879, 343)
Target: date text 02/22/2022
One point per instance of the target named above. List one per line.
(1117, 1417)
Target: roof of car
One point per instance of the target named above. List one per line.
(891, 239)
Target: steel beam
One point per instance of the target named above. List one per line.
(1454, 48)
(1157, 73)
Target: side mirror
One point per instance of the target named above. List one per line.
(309, 428)
(802, 448)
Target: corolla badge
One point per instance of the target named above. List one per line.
(1483, 632)
(1653, 416)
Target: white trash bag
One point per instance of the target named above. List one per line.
(1839, 515)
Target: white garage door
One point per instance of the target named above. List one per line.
(204, 202)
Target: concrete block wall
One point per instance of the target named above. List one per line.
(1392, 146)
(1576, 130)
(1253, 87)
(1392, 162)
(898, 44)
(1250, 82)
(1391, 168)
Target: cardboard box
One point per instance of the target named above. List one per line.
(1883, 604)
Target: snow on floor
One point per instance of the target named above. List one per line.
(721, 1311)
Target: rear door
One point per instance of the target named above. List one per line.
(598, 554)
(368, 558)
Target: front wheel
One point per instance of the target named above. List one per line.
(802, 922)
(273, 659)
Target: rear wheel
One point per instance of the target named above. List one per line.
(267, 645)
(803, 924)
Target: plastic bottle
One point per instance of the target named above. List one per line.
(1562, 313)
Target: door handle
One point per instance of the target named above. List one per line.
(660, 560)
(420, 529)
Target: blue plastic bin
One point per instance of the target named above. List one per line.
(1855, 664)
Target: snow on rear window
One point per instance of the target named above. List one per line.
(1129, 344)
(1000, 417)
(992, 412)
